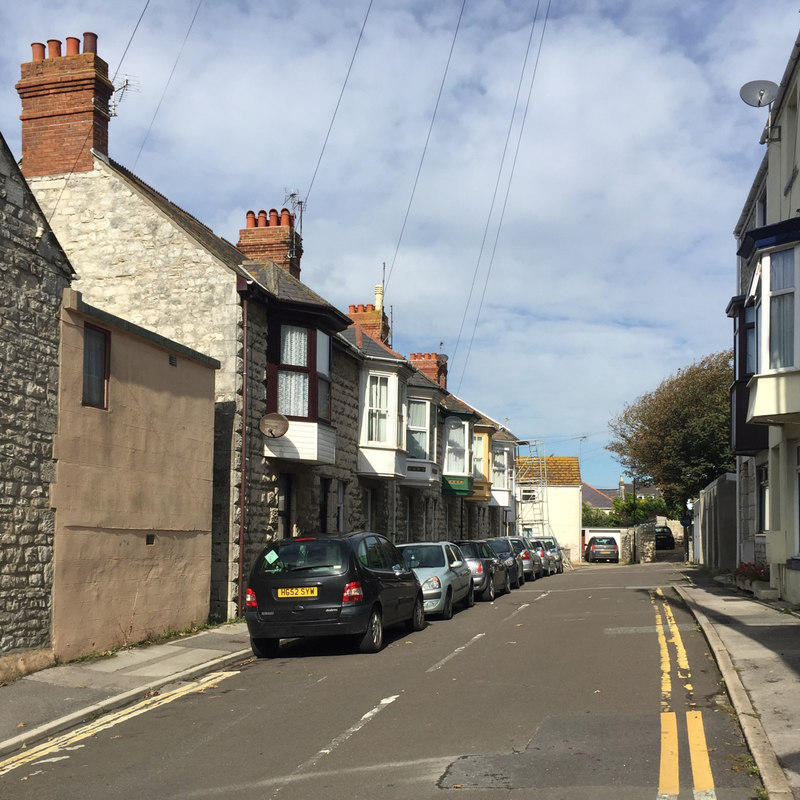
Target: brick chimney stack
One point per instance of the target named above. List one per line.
(272, 237)
(434, 365)
(372, 318)
(64, 107)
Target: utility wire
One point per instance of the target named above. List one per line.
(425, 149)
(497, 182)
(508, 190)
(166, 86)
(336, 109)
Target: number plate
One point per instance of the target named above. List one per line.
(298, 591)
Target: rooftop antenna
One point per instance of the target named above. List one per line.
(759, 94)
(121, 87)
(297, 204)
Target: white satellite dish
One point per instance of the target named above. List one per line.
(273, 425)
(759, 93)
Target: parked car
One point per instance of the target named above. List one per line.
(354, 585)
(531, 563)
(665, 540)
(602, 548)
(489, 574)
(509, 556)
(443, 573)
(546, 557)
(552, 545)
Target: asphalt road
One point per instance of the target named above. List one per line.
(591, 684)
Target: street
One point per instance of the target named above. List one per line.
(591, 684)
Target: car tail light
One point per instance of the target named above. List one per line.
(526, 556)
(250, 599)
(353, 593)
(479, 568)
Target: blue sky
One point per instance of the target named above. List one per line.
(615, 258)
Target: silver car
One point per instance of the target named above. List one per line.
(489, 574)
(554, 547)
(444, 574)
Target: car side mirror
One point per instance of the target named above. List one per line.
(457, 564)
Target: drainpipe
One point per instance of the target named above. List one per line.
(242, 285)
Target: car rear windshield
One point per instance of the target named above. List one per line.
(314, 556)
(424, 556)
(471, 549)
(500, 547)
(604, 540)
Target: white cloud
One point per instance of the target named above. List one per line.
(615, 260)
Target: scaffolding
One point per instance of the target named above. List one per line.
(533, 512)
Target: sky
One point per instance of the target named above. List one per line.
(547, 190)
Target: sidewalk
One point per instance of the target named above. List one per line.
(58, 698)
(756, 646)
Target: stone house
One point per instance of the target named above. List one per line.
(144, 259)
(35, 271)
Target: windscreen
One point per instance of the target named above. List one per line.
(470, 549)
(313, 556)
(424, 556)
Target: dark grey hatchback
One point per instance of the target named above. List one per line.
(353, 584)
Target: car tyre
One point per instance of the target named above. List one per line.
(264, 648)
(372, 640)
(417, 621)
(469, 600)
(507, 585)
(447, 611)
(488, 592)
(516, 584)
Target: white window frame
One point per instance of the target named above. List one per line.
(776, 359)
(501, 470)
(378, 413)
(450, 452)
(425, 429)
(477, 456)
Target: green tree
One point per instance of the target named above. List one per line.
(630, 510)
(592, 517)
(677, 437)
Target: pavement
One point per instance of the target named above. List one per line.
(756, 645)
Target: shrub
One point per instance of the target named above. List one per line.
(752, 572)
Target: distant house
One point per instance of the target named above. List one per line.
(549, 494)
(597, 499)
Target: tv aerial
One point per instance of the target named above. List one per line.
(759, 93)
(121, 87)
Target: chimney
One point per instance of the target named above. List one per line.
(372, 318)
(272, 237)
(64, 107)
(434, 365)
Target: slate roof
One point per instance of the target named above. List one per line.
(560, 470)
(596, 498)
(369, 346)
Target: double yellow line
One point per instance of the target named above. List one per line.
(66, 740)
(669, 769)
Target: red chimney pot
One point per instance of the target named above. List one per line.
(273, 216)
(251, 219)
(53, 48)
(73, 46)
(90, 42)
(262, 219)
(38, 51)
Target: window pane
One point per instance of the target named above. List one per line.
(377, 423)
(293, 393)
(416, 444)
(781, 333)
(417, 413)
(323, 399)
(294, 346)
(781, 270)
(323, 353)
(456, 451)
(94, 367)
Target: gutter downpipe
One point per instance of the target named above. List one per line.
(242, 285)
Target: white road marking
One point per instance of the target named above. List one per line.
(457, 651)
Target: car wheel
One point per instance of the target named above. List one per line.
(417, 621)
(488, 592)
(507, 585)
(447, 611)
(515, 583)
(264, 648)
(372, 640)
(469, 600)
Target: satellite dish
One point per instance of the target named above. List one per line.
(273, 425)
(759, 93)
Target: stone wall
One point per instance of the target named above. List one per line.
(33, 272)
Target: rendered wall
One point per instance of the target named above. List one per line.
(141, 468)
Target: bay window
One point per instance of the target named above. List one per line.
(298, 373)
(477, 457)
(500, 469)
